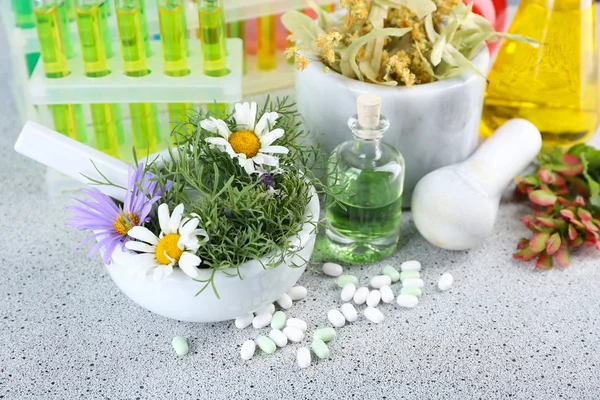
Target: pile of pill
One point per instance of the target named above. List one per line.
(284, 330)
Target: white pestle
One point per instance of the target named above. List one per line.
(455, 207)
(76, 159)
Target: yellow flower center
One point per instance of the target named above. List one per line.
(167, 246)
(245, 142)
(124, 222)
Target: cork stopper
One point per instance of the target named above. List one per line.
(368, 108)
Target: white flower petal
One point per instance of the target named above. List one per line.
(270, 137)
(245, 115)
(147, 260)
(216, 126)
(176, 218)
(188, 227)
(201, 232)
(143, 234)
(248, 166)
(266, 122)
(269, 160)
(140, 246)
(188, 263)
(191, 244)
(164, 218)
(217, 141)
(160, 273)
(274, 149)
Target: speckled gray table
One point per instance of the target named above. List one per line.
(503, 330)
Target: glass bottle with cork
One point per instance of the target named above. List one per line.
(367, 175)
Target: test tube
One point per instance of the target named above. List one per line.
(68, 118)
(144, 23)
(65, 30)
(144, 122)
(173, 36)
(23, 14)
(90, 14)
(237, 30)
(70, 9)
(267, 42)
(214, 53)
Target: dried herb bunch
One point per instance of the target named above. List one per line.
(393, 42)
(565, 194)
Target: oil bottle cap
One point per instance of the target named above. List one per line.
(368, 109)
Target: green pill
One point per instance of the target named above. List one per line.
(415, 291)
(320, 348)
(325, 334)
(409, 275)
(278, 320)
(392, 273)
(346, 279)
(266, 344)
(180, 345)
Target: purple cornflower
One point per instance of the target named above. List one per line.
(268, 179)
(110, 222)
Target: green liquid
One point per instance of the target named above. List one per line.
(178, 115)
(51, 44)
(173, 37)
(70, 10)
(144, 23)
(23, 14)
(212, 35)
(105, 128)
(365, 224)
(132, 41)
(104, 13)
(63, 19)
(92, 41)
(146, 131)
(68, 120)
(108, 8)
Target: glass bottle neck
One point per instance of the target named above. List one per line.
(367, 148)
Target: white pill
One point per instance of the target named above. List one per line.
(262, 320)
(336, 318)
(412, 265)
(248, 349)
(332, 269)
(446, 281)
(407, 300)
(348, 292)
(361, 294)
(303, 357)
(285, 302)
(266, 309)
(387, 296)
(293, 334)
(374, 298)
(297, 293)
(413, 282)
(349, 312)
(278, 337)
(380, 281)
(244, 321)
(373, 315)
(297, 323)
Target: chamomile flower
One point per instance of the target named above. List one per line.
(251, 141)
(175, 246)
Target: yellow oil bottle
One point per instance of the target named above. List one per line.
(555, 86)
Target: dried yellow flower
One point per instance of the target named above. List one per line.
(301, 62)
(326, 69)
(290, 51)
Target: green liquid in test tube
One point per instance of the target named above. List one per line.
(144, 116)
(68, 118)
(214, 53)
(89, 23)
(70, 9)
(144, 21)
(63, 19)
(23, 14)
(174, 43)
